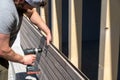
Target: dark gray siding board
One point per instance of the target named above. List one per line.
(68, 69)
(48, 64)
(52, 63)
(58, 66)
(54, 67)
(46, 69)
(50, 70)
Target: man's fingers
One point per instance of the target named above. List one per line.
(32, 63)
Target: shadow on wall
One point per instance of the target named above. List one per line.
(90, 37)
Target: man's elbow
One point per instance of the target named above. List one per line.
(4, 51)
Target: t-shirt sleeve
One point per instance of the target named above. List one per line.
(6, 22)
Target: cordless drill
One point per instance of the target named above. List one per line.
(32, 69)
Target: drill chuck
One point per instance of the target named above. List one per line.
(32, 51)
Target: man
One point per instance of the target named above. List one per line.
(11, 12)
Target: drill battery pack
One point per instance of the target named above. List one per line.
(32, 69)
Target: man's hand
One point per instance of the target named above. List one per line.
(39, 22)
(28, 59)
(49, 38)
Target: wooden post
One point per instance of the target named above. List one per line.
(75, 31)
(56, 15)
(109, 40)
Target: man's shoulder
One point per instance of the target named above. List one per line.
(7, 5)
(8, 15)
(7, 9)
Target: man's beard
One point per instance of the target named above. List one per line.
(20, 10)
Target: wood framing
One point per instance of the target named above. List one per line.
(56, 22)
(75, 31)
(109, 40)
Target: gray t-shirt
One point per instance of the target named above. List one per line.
(9, 20)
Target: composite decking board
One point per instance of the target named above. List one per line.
(54, 65)
(28, 31)
(60, 69)
(31, 29)
(55, 77)
(67, 68)
(42, 77)
(31, 41)
(51, 60)
(34, 41)
(49, 65)
(46, 69)
(26, 43)
(49, 77)
(72, 74)
(44, 66)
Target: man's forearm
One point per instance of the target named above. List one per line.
(12, 56)
(38, 21)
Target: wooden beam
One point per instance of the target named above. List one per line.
(56, 21)
(75, 31)
(109, 40)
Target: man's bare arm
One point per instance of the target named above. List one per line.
(38, 21)
(7, 53)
